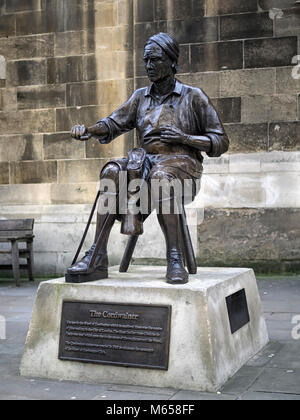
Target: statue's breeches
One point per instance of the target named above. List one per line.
(160, 182)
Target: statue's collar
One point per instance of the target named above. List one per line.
(177, 89)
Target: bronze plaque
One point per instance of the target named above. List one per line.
(237, 310)
(115, 334)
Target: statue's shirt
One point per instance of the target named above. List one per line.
(185, 107)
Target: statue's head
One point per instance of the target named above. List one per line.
(161, 56)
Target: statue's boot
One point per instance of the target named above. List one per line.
(176, 273)
(82, 271)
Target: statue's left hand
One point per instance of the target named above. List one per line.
(173, 135)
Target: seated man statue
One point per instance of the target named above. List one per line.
(174, 123)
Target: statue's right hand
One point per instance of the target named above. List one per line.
(80, 132)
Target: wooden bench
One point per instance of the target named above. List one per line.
(15, 232)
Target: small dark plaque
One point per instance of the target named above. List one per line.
(115, 334)
(237, 310)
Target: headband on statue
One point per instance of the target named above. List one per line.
(167, 43)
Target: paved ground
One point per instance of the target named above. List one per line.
(274, 374)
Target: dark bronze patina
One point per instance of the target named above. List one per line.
(115, 334)
(175, 124)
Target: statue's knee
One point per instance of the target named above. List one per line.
(160, 176)
(161, 186)
(110, 171)
(109, 179)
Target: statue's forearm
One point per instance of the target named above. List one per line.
(202, 143)
(100, 129)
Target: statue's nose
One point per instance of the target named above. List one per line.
(148, 64)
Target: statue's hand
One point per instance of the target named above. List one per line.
(80, 132)
(173, 135)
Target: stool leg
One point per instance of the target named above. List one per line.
(15, 262)
(188, 247)
(30, 262)
(128, 254)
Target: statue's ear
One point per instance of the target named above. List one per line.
(175, 67)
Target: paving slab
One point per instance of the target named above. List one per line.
(193, 396)
(167, 392)
(280, 294)
(258, 396)
(49, 390)
(9, 397)
(281, 302)
(242, 380)
(288, 357)
(286, 381)
(279, 326)
(14, 302)
(15, 330)
(25, 289)
(9, 365)
(117, 395)
(11, 348)
(265, 356)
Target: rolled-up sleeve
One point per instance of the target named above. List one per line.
(212, 127)
(123, 119)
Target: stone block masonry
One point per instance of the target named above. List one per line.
(64, 63)
(68, 61)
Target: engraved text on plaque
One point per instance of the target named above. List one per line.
(117, 334)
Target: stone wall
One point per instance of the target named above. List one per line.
(69, 61)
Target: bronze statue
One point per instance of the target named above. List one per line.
(174, 123)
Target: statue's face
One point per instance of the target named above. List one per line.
(157, 63)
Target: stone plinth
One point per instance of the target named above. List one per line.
(204, 353)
